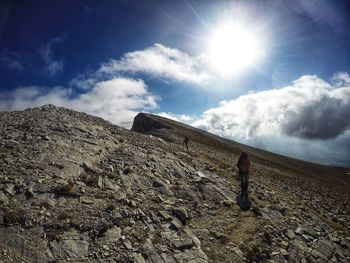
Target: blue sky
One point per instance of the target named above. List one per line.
(273, 74)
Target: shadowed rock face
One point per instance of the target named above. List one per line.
(144, 123)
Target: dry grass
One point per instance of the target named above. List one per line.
(110, 207)
(14, 216)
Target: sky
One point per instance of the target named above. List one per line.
(273, 74)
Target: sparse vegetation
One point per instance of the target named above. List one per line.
(110, 207)
(14, 216)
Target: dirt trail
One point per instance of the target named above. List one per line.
(232, 228)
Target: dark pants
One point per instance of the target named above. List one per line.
(244, 184)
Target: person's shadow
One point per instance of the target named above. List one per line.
(243, 203)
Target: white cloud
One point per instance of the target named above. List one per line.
(159, 61)
(177, 117)
(308, 108)
(43, 60)
(52, 66)
(11, 60)
(117, 100)
(305, 119)
(341, 79)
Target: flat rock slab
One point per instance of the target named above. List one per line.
(182, 244)
(176, 224)
(71, 245)
(324, 247)
(269, 213)
(154, 258)
(3, 198)
(165, 215)
(192, 256)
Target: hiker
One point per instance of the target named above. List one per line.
(186, 140)
(243, 165)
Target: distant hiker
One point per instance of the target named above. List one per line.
(243, 165)
(186, 140)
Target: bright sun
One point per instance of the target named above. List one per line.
(231, 49)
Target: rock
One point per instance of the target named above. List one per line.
(325, 247)
(108, 184)
(159, 183)
(3, 198)
(307, 238)
(195, 240)
(165, 215)
(299, 231)
(2, 222)
(10, 189)
(70, 246)
(290, 234)
(181, 213)
(99, 181)
(163, 187)
(284, 244)
(237, 251)
(182, 244)
(268, 213)
(219, 235)
(192, 256)
(228, 202)
(112, 234)
(110, 169)
(201, 174)
(91, 168)
(138, 258)
(132, 203)
(176, 224)
(284, 252)
(167, 258)
(334, 239)
(313, 233)
(45, 138)
(127, 244)
(144, 123)
(166, 190)
(153, 257)
(88, 200)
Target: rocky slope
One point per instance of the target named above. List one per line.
(75, 188)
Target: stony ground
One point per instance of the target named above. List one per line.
(75, 188)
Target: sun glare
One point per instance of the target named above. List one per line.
(231, 49)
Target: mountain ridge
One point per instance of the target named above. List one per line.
(283, 159)
(90, 191)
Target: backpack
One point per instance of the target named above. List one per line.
(244, 165)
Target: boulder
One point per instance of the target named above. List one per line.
(3, 198)
(144, 123)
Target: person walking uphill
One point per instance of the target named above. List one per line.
(186, 140)
(243, 165)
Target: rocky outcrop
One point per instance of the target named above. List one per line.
(144, 123)
(75, 188)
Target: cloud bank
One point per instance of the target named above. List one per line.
(309, 108)
(310, 113)
(117, 100)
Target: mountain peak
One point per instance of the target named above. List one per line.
(88, 190)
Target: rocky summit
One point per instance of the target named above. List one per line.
(76, 188)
